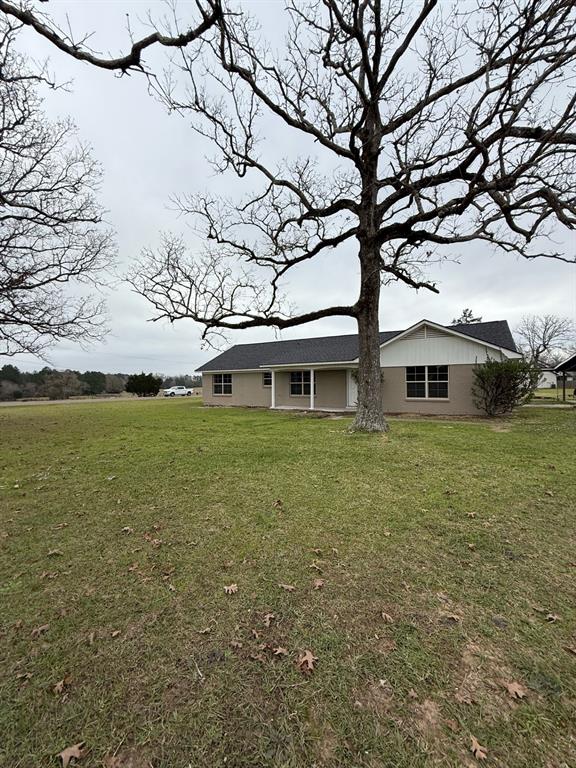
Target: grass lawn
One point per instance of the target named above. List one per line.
(555, 393)
(448, 560)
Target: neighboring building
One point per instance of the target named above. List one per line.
(427, 368)
(547, 379)
(566, 372)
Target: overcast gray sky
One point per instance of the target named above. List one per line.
(148, 156)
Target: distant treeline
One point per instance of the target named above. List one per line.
(59, 385)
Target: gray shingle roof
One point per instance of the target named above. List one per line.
(333, 349)
(567, 365)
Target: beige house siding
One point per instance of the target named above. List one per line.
(247, 389)
(459, 403)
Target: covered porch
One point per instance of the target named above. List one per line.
(313, 388)
(566, 373)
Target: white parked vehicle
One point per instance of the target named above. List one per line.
(178, 391)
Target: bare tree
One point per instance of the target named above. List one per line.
(545, 339)
(466, 318)
(50, 233)
(426, 126)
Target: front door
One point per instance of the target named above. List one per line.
(352, 389)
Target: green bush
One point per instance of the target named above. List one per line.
(144, 384)
(502, 385)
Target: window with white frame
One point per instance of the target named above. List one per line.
(427, 381)
(222, 384)
(300, 383)
(267, 379)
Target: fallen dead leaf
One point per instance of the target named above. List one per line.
(412, 694)
(450, 618)
(277, 504)
(472, 547)
(317, 551)
(59, 687)
(74, 752)
(268, 619)
(231, 589)
(479, 752)
(471, 514)
(235, 644)
(315, 567)
(515, 690)
(127, 529)
(279, 651)
(49, 575)
(204, 631)
(552, 618)
(387, 618)
(570, 649)
(40, 630)
(116, 633)
(306, 662)
(60, 526)
(24, 676)
(463, 697)
(54, 552)
(256, 633)
(258, 657)
(318, 583)
(287, 587)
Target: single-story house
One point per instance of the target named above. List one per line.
(427, 368)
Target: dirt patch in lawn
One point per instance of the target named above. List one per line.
(480, 679)
(377, 697)
(428, 718)
(133, 757)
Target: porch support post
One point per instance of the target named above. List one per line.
(311, 389)
(273, 392)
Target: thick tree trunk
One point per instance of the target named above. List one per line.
(370, 409)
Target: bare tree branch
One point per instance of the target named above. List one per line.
(209, 13)
(51, 238)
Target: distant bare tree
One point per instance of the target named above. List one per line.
(425, 126)
(545, 339)
(50, 233)
(466, 318)
(60, 385)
